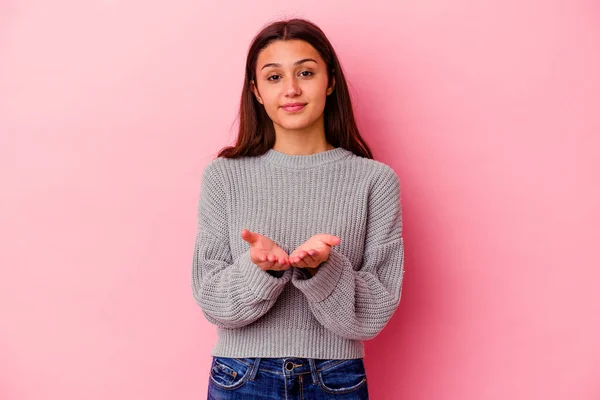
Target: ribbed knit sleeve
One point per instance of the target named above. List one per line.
(356, 303)
(232, 293)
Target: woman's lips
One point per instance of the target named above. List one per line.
(294, 108)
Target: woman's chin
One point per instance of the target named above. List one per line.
(295, 125)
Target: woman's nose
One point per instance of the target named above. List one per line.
(292, 87)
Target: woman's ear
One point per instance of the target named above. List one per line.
(255, 91)
(330, 88)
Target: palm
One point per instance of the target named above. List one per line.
(322, 248)
(265, 253)
(266, 246)
(314, 251)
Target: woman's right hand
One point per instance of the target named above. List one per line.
(265, 253)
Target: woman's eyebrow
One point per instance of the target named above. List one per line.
(276, 65)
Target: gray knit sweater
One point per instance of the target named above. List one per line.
(290, 198)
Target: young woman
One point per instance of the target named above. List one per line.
(299, 253)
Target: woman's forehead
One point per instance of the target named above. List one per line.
(287, 52)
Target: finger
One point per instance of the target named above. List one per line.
(301, 263)
(265, 265)
(278, 263)
(333, 240)
(302, 256)
(328, 239)
(249, 236)
(297, 257)
(280, 267)
(283, 261)
(318, 256)
(310, 260)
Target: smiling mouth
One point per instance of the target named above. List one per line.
(294, 108)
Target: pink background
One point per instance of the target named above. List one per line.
(488, 110)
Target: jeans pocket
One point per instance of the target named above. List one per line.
(344, 377)
(228, 373)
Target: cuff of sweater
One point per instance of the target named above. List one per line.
(322, 284)
(262, 284)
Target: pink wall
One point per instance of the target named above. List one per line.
(488, 110)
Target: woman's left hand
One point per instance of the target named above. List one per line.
(313, 252)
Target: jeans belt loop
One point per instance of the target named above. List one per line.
(313, 370)
(254, 368)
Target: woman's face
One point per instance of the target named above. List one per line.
(291, 83)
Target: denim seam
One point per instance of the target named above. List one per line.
(338, 362)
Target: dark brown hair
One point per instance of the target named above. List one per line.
(256, 132)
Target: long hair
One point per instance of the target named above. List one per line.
(256, 132)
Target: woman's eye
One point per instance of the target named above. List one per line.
(276, 77)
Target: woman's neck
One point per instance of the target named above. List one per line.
(301, 143)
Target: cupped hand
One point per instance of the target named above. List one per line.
(265, 253)
(314, 251)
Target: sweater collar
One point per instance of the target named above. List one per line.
(305, 161)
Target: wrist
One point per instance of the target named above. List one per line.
(313, 271)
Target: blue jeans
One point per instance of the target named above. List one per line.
(287, 378)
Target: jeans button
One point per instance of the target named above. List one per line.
(289, 366)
